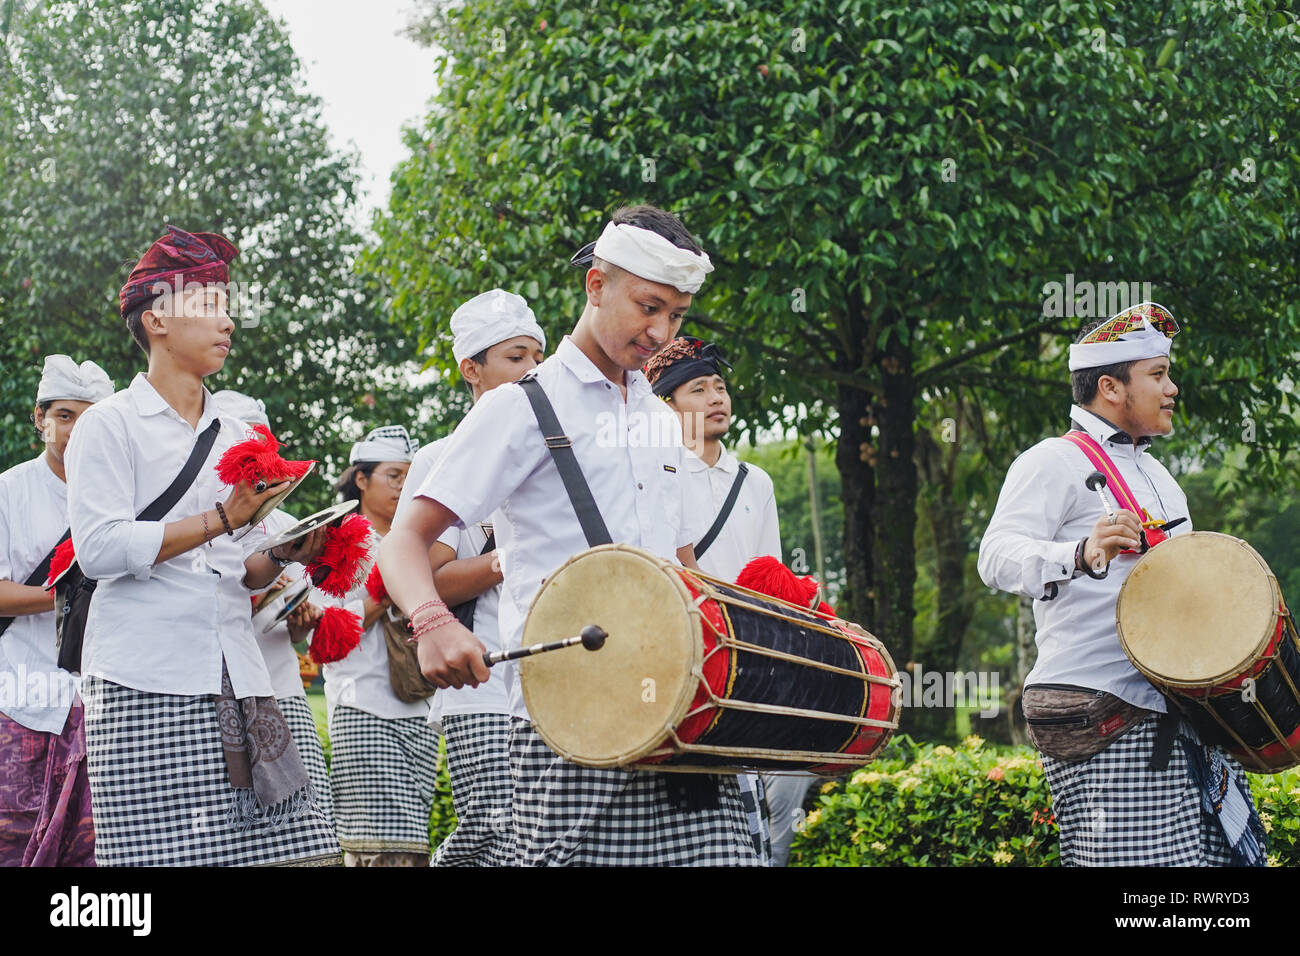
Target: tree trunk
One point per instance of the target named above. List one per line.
(939, 651)
(858, 491)
(895, 503)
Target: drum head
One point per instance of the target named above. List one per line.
(270, 504)
(610, 707)
(1197, 609)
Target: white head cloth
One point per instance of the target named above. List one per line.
(386, 443)
(238, 405)
(63, 378)
(489, 318)
(650, 256)
(1141, 343)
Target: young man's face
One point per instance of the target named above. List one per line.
(196, 335)
(56, 423)
(381, 490)
(705, 408)
(506, 362)
(1149, 398)
(635, 318)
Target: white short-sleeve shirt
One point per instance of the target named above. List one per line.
(277, 644)
(630, 452)
(751, 530)
(34, 690)
(361, 679)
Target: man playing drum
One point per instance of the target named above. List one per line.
(645, 271)
(1131, 784)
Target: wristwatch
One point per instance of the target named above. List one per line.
(283, 563)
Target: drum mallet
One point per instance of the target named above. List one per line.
(592, 638)
(1097, 482)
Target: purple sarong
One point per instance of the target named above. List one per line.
(45, 817)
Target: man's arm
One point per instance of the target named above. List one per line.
(461, 579)
(19, 599)
(450, 655)
(1019, 553)
(109, 541)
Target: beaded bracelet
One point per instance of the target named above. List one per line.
(222, 511)
(434, 602)
(430, 624)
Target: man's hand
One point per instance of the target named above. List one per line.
(302, 550)
(1109, 539)
(451, 656)
(303, 620)
(244, 502)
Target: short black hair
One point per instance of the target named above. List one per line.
(645, 216)
(135, 324)
(480, 358)
(346, 486)
(1083, 382)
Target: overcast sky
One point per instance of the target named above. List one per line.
(370, 78)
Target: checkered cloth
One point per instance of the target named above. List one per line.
(1114, 811)
(753, 797)
(382, 772)
(160, 788)
(567, 815)
(478, 760)
(302, 725)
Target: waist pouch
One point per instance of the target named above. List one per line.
(1074, 723)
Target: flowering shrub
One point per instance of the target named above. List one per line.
(925, 805)
(974, 805)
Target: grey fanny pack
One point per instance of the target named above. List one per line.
(1074, 723)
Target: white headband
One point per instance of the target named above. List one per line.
(62, 378)
(386, 443)
(650, 256)
(251, 411)
(489, 318)
(1144, 343)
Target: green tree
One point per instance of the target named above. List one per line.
(119, 118)
(886, 189)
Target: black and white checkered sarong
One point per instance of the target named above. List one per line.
(478, 761)
(160, 789)
(567, 815)
(1115, 811)
(302, 725)
(382, 772)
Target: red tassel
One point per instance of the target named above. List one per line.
(345, 556)
(375, 585)
(337, 634)
(60, 562)
(258, 457)
(767, 575)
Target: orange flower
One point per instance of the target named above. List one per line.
(997, 773)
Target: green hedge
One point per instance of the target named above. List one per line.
(973, 805)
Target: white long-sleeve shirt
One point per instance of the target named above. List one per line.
(158, 628)
(752, 529)
(1043, 512)
(34, 690)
